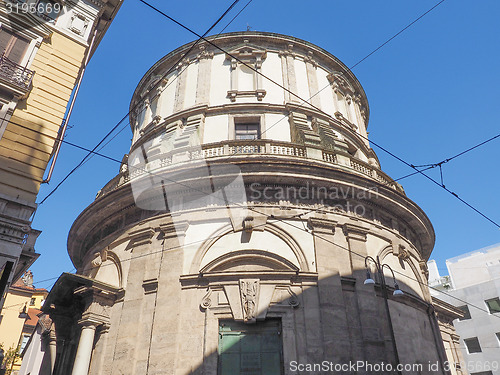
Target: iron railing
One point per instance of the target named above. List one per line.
(15, 74)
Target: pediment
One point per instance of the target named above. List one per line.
(247, 52)
(27, 24)
(249, 261)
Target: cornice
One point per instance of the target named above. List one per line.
(264, 171)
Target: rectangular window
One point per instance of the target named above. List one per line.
(246, 130)
(493, 305)
(23, 343)
(472, 345)
(465, 310)
(32, 302)
(48, 10)
(13, 46)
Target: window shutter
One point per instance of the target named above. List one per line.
(18, 50)
(13, 46)
(5, 37)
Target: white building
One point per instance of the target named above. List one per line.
(474, 287)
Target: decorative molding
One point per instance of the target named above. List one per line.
(97, 304)
(355, 232)
(293, 300)
(424, 268)
(246, 55)
(204, 53)
(325, 226)
(302, 131)
(78, 23)
(150, 286)
(309, 59)
(141, 236)
(288, 51)
(249, 293)
(401, 252)
(206, 301)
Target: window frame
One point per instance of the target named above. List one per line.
(465, 309)
(235, 120)
(46, 17)
(489, 307)
(473, 340)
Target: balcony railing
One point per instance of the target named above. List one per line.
(260, 147)
(15, 74)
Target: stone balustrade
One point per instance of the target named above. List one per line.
(263, 147)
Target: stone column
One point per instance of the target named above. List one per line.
(96, 313)
(52, 348)
(84, 351)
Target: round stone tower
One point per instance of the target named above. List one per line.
(236, 236)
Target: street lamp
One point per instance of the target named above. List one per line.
(397, 292)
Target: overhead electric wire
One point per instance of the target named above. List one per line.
(135, 106)
(200, 37)
(236, 16)
(417, 171)
(321, 111)
(273, 217)
(177, 76)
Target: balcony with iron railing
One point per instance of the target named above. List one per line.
(15, 77)
(262, 147)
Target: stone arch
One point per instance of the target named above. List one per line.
(418, 277)
(249, 261)
(105, 266)
(285, 237)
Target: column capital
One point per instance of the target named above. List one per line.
(177, 229)
(141, 236)
(89, 322)
(319, 225)
(97, 304)
(355, 232)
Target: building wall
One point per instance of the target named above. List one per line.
(28, 140)
(11, 325)
(475, 277)
(34, 93)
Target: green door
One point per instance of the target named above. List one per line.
(250, 349)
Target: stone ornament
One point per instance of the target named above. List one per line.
(249, 290)
(206, 301)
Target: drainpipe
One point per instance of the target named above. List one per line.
(70, 110)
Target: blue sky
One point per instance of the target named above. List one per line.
(433, 92)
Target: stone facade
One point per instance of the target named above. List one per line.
(244, 213)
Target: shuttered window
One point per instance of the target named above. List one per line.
(244, 131)
(13, 46)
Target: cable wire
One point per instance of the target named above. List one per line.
(417, 171)
(136, 105)
(321, 111)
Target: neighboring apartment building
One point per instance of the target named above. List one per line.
(19, 317)
(43, 48)
(473, 286)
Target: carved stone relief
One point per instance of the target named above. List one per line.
(249, 291)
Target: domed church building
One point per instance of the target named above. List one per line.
(250, 230)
